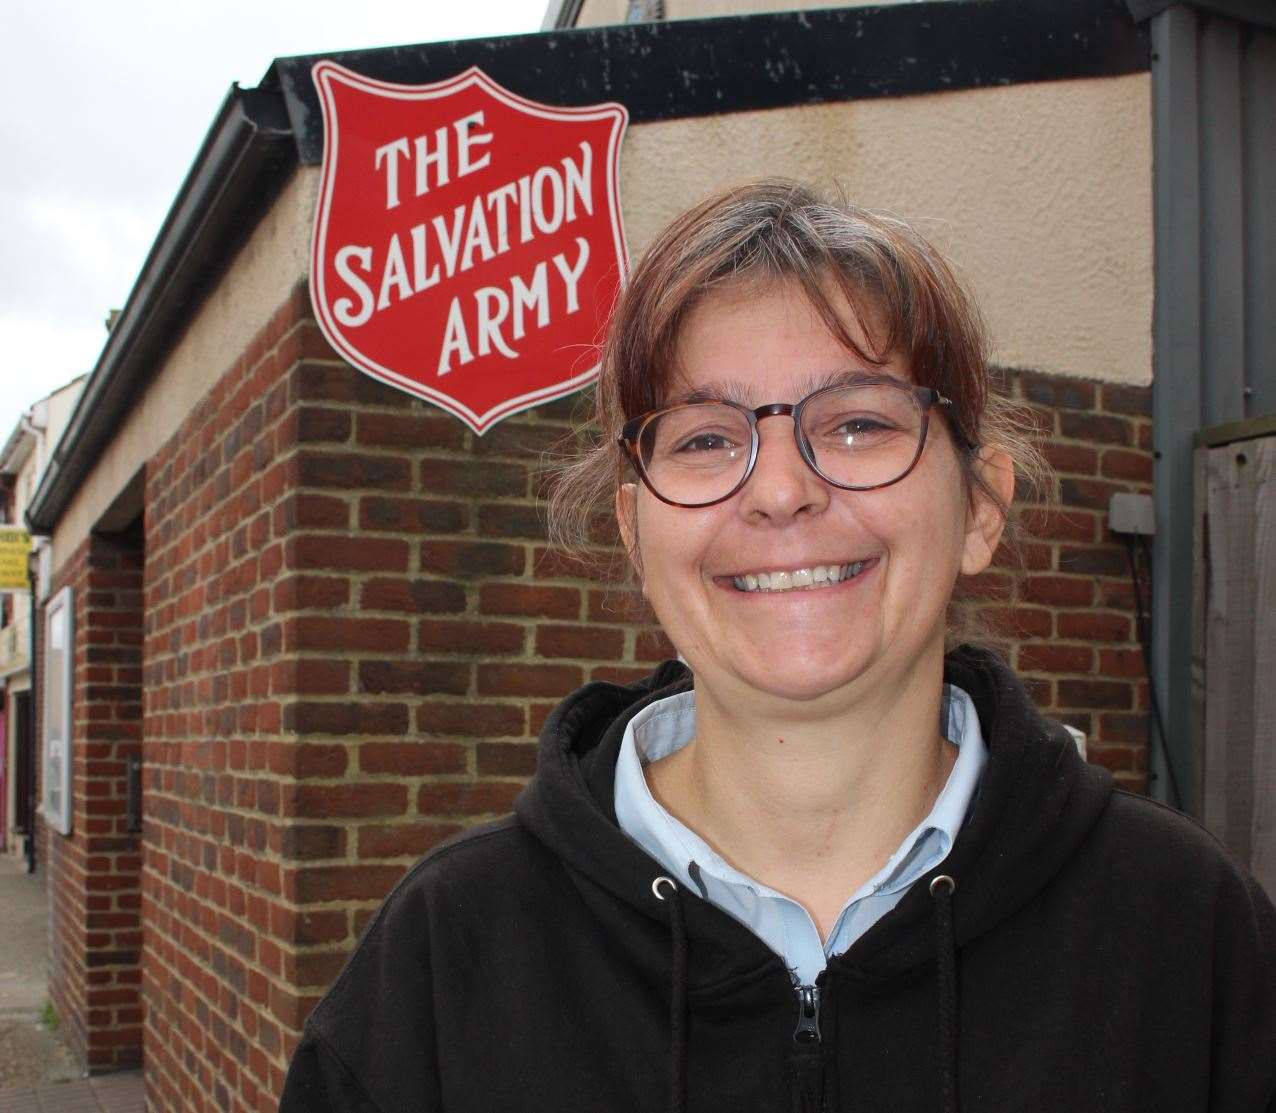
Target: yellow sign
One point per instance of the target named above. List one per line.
(15, 545)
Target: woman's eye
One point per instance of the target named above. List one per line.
(706, 442)
(860, 426)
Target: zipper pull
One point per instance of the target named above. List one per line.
(808, 1025)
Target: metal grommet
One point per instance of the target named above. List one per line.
(655, 886)
(942, 880)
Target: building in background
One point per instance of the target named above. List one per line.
(310, 624)
(22, 461)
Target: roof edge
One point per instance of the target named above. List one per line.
(235, 176)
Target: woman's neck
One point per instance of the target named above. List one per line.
(813, 807)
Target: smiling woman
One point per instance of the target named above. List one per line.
(818, 861)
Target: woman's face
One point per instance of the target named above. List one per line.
(911, 539)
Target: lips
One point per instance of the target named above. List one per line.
(806, 578)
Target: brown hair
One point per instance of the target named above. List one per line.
(779, 230)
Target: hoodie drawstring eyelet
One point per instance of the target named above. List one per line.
(942, 888)
(677, 994)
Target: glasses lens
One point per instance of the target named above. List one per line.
(695, 454)
(863, 436)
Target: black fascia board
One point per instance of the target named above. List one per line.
(245, 158)
(687, 68)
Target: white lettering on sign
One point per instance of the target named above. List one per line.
(495, 310)
(430, 156)
(487, 226)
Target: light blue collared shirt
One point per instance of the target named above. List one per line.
(779, 921)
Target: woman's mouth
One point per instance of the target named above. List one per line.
(811, 578)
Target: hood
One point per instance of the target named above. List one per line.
(1037, 801)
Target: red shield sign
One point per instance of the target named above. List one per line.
(468, 242)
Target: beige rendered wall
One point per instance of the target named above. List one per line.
(598, 13)
(1040, 193)
(263, 273)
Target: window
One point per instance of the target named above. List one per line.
(59, 660)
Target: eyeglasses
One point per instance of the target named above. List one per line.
(858, 436)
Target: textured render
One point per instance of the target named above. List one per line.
(598, 13)
(1041, 193)
(274, 259)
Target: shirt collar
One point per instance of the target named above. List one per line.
(669, 724)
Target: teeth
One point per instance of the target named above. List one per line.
(800, 579)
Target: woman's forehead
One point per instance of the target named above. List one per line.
(748, 390)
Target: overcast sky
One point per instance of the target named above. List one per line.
(102, 108)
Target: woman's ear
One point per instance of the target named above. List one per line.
(627, 519)
(986, 517)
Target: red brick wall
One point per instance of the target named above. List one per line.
(353, 632)
(1068, 616)
(94, 874)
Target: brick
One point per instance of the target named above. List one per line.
(309, 510)
(618, 674)
(579, 641)
(1034, 657)
(471, 720)
(414, 758)
(309, 717)
(1018, 622)
(1135, 466)
(525, 440)
(1057, 591)
(417, 677)
(320, 632)
(311, 842)
(414, 596)
(1094, 626)
(472, 558)
(308, 759)
(307, 424)
(350, 554)
(408, 431)
(470, 637)
(1112, 694)
(506, 759)
(512, 520)
(1074, 458)
(1133, 400)
(342, 383)
(467, 798)
(1087, 560)
(320, 884)
(403, 839)
(1121, 662)
(531, 600)
(615, 605)
(1117, 726)
(1092, 493)
(1060, 525)
(601, 565)
(309, 676)
(528, 680)
(1056, 391)
(352, 470)
(653, 645)
(380, 512)
(1096, 428)
(311, 801)
(472, 477)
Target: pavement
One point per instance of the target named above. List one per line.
(38, 1072)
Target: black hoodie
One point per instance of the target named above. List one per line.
(1092, 951)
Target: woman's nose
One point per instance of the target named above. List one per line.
(782, 485)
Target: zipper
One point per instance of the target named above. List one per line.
(808, 1022)
(808, 1053)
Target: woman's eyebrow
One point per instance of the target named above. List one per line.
(733, 390)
